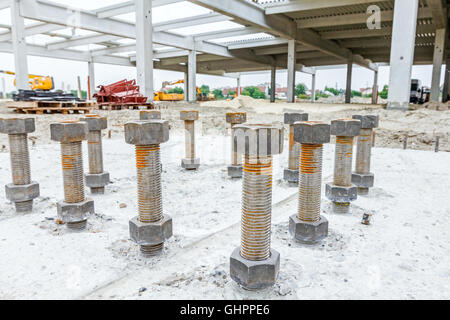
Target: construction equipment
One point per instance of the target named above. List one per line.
(36, 82)
(162, 95)
(419, 94)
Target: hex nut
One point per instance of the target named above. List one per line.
(308, 232)
(187, 115)
(150, 115)
(259, 139)
(235, 171)
(362, 180)
(96, 180)
(190, 164)
(236, 117)
(74, 212)
(293, 117)
(341, 194)
(146, 132)
(147, 234)
(311, 132)
(21, 193)
(367, 122)
(291, 176)
(17, 126)
(345, 127)
(95, 122)
(69, 131)
(254, 275)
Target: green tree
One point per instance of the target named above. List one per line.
(334, 91)
(300, 89)
(254, 92)
(176, 90)
(356, 93)
(205, 89)
(218, 94)
(384, 94)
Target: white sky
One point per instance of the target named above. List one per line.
(67, 71)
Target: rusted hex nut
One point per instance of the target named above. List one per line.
(345, 127)
(308, 232)
(69, 131)
(254, 275)
(97, 180)
(150, 115)
(95, 122)
(148, 234)
(236, 117)
(146, 132)
(293, 117)
(259, 140)
(74, 212)
(187, 115)
(311, 132)
(367, 122)
(363, 180)
(341, 194)
(17, 126)
(21, 193)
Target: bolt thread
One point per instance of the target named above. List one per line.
(339, 207)
(190, 139)
(24, 207)
(310, 182)
(150, 251)
(95, 152)
(79, 225)
(363, 150)
(363, 191)
(148, 165)
(294, 150)
(343, 161)
(20, 159)
(72, 165)
(256, 208)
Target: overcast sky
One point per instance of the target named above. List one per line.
(65, 71)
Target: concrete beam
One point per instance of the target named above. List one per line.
(190, 21)
(128, 7)
(4, 4)
(82, 40)
(367, 33)
(307, 5)
(439, 13)
(225, 34)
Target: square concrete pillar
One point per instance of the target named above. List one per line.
(292, 53)
(438, 58)
(19, 47)
(273, 84)
(348, 90)
(192, 75)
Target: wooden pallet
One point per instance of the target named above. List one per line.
(141, 106)
(41, 107)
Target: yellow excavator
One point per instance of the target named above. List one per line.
(162, 95)
(36, 82)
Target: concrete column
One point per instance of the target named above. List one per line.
(91, 73)
(186, 87)
(348, 89)
(313, 88)
(375, 88)
(3, 88)
(402, 53)
(446, 89)
(144, 47)
(291, 71)
(438, 58)
(238, 86)
(79, 88)
(192, 74)
(19, 46)
(273, 83)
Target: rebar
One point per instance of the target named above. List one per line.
(148, 164)
(256, 208)
(310, 182)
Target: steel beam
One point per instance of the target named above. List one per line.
(307, 5)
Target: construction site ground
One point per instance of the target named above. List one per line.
(403, 254)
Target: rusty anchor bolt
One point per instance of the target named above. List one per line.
(234, 118)
(22, 190)
(308, 226)
(190, 162)
(150, 115)
(151, 227)
(362, 177)
(254, 265)
(341, 192)
(291, 173)
(73, 210)
(97, 178)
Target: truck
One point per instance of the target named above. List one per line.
(419, 94)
